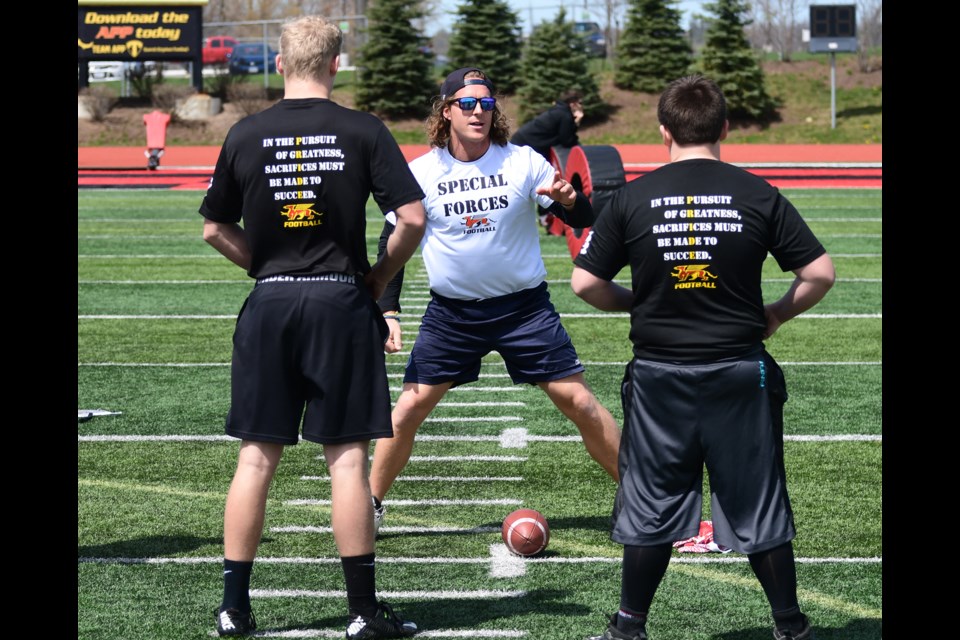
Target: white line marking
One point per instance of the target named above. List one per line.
(153, 364)
(184, 438)
(393, 595)
(626, 283)
(474, 389)
(417, 503)
(557, 256)
(437, 478)
(852, 363)
(843, 438)
(145, 282)
(856, 255)
(792, 363)
(313, 529)
(504, 564)
(153, 256)
(850, 235)
(481, 376)
(480, 419)
(511, 441)
(624, 316)
(482, 404)
(436, 633)
(156, 317)
(725, 559)
(468, 459)
(513, 438)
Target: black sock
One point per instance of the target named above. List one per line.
(376, 502)
(236, 585)
(359, 573)
(777, 573)
(643, 569)
(790, 619)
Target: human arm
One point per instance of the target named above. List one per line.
(597, 292)
(400, 246)
(230, 239)
(811, 284)
(569, 205)
(389, 302)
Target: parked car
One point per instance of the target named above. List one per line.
(248, 57)
(217, 49)
(594, 38)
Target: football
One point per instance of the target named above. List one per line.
(525, 532)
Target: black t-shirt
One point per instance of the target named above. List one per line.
(299, 175)
(695, 234)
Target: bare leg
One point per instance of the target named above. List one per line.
(352, 511)
(390, 455)
(600, 433)
(247, 499)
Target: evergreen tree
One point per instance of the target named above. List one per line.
(394, 70)
(653, 50)
(555, 60)
(728, 60)
(486, 35)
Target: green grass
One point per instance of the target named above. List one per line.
(149, 532)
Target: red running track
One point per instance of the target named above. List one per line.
(823, 166)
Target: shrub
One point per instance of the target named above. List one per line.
(248, 98)
(166, 96)
(99, 100)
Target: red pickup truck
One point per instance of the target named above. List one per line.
(217, 49)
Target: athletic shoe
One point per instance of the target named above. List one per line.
(613, 633)
(384, 624)
(805, 633)
(232, 622)
(378, 513)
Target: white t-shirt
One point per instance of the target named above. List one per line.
(482, 238)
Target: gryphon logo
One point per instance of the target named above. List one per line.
(300, 215)
(476, 224)
(693, 276)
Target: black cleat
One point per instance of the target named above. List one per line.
(384, 624)
(232, 622)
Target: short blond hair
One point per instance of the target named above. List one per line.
(308, 45)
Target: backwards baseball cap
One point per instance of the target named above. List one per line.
(455, 81)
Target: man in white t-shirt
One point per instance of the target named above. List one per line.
(481, 250)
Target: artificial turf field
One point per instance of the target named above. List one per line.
(156, 309)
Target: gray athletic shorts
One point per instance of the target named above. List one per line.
(311, 351)
(727, 415)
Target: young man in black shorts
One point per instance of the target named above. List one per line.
(701, 389)
(308, 343)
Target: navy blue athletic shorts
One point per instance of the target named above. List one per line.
(309, 350)
(727, 415)
(523, 327)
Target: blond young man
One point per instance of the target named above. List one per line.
(308, 341)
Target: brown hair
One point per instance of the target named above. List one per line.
(438, 127)
(694, 110)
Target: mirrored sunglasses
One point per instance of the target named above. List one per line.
(469, 104)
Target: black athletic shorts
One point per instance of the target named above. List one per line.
(309, 349)
(523, 327)
(727, 415)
